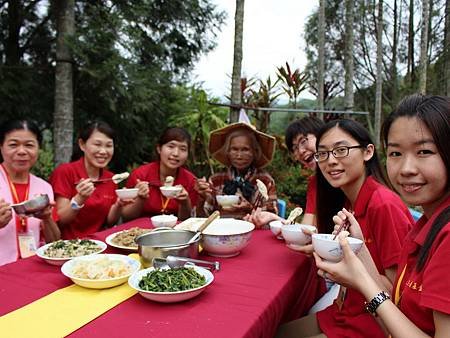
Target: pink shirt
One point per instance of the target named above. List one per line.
(8, 235)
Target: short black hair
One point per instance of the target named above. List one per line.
(11, 125)
(304, 126)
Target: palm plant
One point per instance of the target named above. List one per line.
(293, 82)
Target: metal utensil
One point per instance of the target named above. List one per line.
(175, 261)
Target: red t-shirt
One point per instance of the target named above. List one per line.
(93, 215)
(427, 290)
(311, 194)
(385, 221)
(154, 204)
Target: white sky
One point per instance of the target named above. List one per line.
(273, 34)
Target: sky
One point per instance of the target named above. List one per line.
(273, 34)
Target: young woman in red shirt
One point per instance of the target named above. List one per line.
(416, 137)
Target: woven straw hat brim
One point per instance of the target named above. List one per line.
(218, 137)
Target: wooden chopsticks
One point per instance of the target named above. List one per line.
(343, 227)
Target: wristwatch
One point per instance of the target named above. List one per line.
(74, 204)
(376, 301)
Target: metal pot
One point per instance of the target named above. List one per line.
(163, 243)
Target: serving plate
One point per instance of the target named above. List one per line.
(67, 270)
(60, 261)
(169, 297)
(110, 237)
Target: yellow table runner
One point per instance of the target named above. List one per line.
(62, 312)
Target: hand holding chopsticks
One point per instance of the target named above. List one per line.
(345, 218)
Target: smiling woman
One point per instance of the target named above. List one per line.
(84, 207)
(173, 150)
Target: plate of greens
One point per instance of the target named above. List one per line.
(166, 285)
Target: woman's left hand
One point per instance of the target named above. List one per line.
(45, 213)
(350, 271)
(183, 195)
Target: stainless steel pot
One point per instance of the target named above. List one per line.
(163, 243)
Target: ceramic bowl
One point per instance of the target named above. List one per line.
(67, 270)
(329, 249)
(293, 233)
(226, 237)
(32, 206)
(227, 200)
(275, 227)
(169, 297)
(125, 194)
(172, 191)
(164, 221)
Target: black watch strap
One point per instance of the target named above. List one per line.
(376, 301)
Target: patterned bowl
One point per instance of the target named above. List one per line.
(226, 237)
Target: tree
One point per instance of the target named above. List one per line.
(237, 59)
(63, 114)
(379, 82)
(320, 75)
(348, 60)
(423, 47)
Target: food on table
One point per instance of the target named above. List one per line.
(262, 189)
(127, 237)
(294, 214)
(169, 181)
(117, 178)
(71, 248)
(172, 280)
(102, 268)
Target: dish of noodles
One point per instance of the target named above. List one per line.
(58, 252)
(100, 271)
(126, 239)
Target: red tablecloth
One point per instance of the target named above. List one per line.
(255, 291)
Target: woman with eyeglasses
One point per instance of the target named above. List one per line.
(349, 176)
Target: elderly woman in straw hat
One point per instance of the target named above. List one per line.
(244, 151)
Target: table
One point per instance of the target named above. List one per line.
(253, 293)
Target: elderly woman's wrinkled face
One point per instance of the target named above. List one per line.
(241, 152)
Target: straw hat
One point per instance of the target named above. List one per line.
(217, 140)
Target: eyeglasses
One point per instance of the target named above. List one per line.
(301, 144)
(337, 152)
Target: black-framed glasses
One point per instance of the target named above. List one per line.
(338, 152)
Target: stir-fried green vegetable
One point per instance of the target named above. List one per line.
(171, 280)
(71, 248)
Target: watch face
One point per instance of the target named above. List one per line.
(74, 205)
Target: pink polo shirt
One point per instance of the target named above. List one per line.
(8, 234)
(385, 220)
(425, 291)
(155, 202)
(93, 215)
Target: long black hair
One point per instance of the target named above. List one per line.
(434, 112)
(331, 200)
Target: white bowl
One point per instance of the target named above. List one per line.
(125, 194)
(169, 297)
(67, 269)
(60, 261)
(170, 191)
(226, 237)
(227, 200)
(293, 233)
(164, 221)
(330, 249)
(275, 227)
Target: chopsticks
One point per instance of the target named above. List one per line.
(343, 227)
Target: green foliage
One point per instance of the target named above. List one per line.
(293, 82)
(44, 165)
(199, 118)
(291, 179)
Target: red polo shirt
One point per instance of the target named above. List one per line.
(384, 221)
(93, 215)
(155, 202)
(427, 290)
(311, 194)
